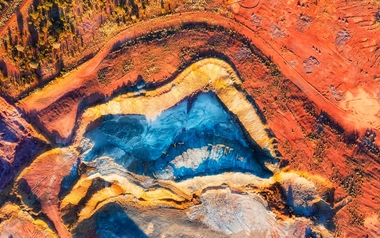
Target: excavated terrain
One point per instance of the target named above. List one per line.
(249, 118)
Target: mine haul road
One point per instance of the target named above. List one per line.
(42, 98)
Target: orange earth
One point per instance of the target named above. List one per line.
(312, 69)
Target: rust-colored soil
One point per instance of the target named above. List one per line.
(310, 68)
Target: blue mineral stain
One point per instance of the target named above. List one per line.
(111, 221)
(69, 180)
(198, 127)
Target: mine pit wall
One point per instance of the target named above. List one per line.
(20, 143)
(352, 159)
(70, 100)
(203, 74)
(217, 20)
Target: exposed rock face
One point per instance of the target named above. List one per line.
(309, 64)
(44, 178)
(163, 160)
(243, 214)
(163, 157)
(19, 143)
(341, 38)
(220, 119)
(17, 223)
(305, 200)
(195, 137)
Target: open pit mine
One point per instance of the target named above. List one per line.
(189, 118)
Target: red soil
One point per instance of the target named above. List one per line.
(328, 53)
(48, 95)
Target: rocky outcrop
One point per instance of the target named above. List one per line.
(20, 143)
(220, 119)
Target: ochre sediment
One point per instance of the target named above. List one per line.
(189, 118)
(207, 74)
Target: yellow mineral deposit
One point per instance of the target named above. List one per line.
(213, 74)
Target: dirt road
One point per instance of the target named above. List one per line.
(42, 98)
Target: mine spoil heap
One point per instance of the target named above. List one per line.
(189, 118)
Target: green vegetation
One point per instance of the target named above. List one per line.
(52, 32)
(4, 4)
